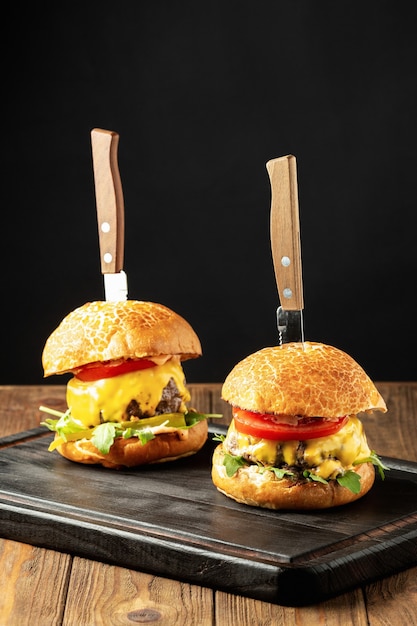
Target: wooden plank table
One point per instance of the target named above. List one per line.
(46, 587)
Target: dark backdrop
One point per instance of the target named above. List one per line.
(202, 95)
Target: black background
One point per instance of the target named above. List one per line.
(203, 95)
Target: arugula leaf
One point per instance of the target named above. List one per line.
(311, 476)
(279, 473)
(233, 463)
(375, 460)
(351, 480)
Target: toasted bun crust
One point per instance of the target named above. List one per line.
(131, 453)
(249, 486)
(307, 379)
(107, 331)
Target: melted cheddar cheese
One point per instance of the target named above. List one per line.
(105, 400)
(325, 456)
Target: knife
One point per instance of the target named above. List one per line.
(110, 212)
(286, 247)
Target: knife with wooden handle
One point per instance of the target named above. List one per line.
(286, 247)
(110, 212)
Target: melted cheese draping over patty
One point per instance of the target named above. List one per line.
(106, 400)
(325, 456)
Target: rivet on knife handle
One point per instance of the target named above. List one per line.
(109, 199)
(285, 231)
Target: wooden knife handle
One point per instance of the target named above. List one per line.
(285, 232)
(109, 199)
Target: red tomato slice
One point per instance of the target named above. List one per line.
(96, 371)
(267, 426)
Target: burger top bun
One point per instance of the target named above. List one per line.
(106, 331)
(307, 379)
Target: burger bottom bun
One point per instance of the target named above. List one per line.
(249, 486)
(131, 452)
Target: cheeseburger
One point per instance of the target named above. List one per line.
(295, 440)
(127, 399)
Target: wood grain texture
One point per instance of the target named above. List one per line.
(123, 596)
(19, 405)
(393, 600)
(34, 584)
(344, 610)
(394, 433)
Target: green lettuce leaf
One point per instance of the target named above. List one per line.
(103, 435)
(145, 436)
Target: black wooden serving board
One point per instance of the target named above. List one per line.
(170, 520)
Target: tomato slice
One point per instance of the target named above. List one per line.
(266, 426)
(96, 371)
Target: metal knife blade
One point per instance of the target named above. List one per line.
(110, 212)
(286, 247)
